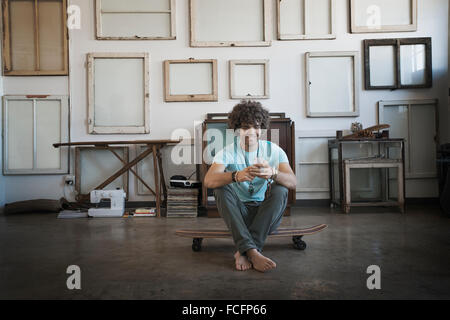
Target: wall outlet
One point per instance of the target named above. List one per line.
(69, 180)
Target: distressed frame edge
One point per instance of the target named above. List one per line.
(7, 54)
(435, 102)
(388, 28)
(92, 129)
(99, 28)
(263, 62)
(64, 156)
(356, 78)
(294, 37)
(266, 26)
(190, 97)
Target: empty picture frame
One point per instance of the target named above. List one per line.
(249, 79)
(313, 163)
(136, 20)
(190, 80)
(416, 121)
(398, 63)
(306, 19)
(34, 37)
(231, 23)
(336, 95)
(118, 93)
(94, 165)
(31, 125)
(371, 16)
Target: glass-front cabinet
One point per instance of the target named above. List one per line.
(366, 172)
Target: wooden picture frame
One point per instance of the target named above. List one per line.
(366, 16)
(126, 77)
(31, 124)
(300, 14)
(312, 152)
(416, 127)
(41, 45)
(343, 64)
(235, 81)
(81, 189)
(175, 92)
(138, 14)
(384, 61)
(216, 17)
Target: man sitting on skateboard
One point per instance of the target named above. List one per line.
(251, 178)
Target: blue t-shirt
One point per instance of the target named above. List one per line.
(234, 159)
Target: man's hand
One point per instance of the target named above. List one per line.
(245, 175)
(261, 170)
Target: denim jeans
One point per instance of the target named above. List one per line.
(251, 222)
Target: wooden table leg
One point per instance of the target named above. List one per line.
(156, 177)
(163, 179)
(133, 171)
(124, 169)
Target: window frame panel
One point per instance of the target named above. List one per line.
(64, 135)
(8, 55)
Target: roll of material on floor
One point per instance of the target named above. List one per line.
(40, 205)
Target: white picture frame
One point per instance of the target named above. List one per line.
(218, 23)
(374, 16)
(190, 80)
(249, 79)
(31, 125)
(313, 161)
(336, 96)
(418, 124)
(118, 93)
(135, 20)
(306, 19)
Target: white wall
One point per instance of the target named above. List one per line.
(2, 178)
(287, 82)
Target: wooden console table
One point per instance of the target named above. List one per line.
(153, 146)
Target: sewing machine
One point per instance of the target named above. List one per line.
(117, 208)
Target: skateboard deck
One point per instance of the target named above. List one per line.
(295, 233)
(368, 132)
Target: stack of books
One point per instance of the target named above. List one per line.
(145, 212)
(182, 203)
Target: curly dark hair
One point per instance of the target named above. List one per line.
(250, 113)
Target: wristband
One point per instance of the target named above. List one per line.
(274, 174)
(233, 176)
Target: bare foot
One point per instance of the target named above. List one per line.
(242, 263)
(260, 262)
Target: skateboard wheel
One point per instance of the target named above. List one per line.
(197, 244)
(299, 244)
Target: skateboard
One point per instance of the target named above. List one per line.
(296, 234)
(367, 133)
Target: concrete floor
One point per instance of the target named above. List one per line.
(142, 259)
